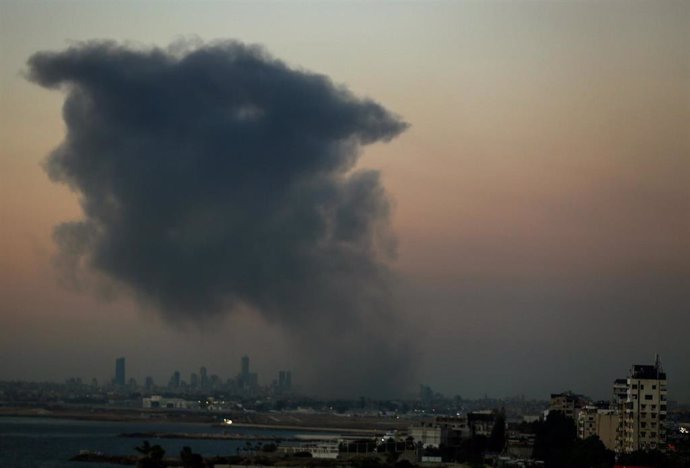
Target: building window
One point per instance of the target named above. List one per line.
(653, 387)
(648, 397)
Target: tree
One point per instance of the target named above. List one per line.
(190, 459)
(646, 458)
(556, 443)
(474, 449)
(554, 438)
(269, 448)
(590, 453)
(152, 455)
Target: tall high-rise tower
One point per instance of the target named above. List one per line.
(248, 381)
(245, 366)
(120, 372)
(643, 412)
(203, 377)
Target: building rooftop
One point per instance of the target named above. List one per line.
(641, 371)
(568, 395)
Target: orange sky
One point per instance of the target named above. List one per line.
(548, 156)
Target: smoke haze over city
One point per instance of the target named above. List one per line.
(487, 198)
(217, 178)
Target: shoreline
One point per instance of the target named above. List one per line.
(260, 421)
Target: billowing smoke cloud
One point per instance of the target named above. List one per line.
(217, 177)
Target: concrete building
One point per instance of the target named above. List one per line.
(446, 430)
(203, 378)
(428, 433)
(324, 449)
(174, 381)
(519, 445)
(587, 422)
(608, 422)
(244, 369)
(481, 422)
(620, 396)
(568, 403)
(603, 423)
(284, 383)
(643, 412)
(159, 402)
(246, 380)
(120, 372)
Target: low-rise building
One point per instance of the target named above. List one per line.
(587, 422)
(159, 402)
(481, 422)
(519, 445)
(603, 423)
(427, 433)
(607, 428)
(568, 403)
(446, 430)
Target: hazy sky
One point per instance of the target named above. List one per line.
(541, 195)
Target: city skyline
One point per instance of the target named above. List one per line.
(281, 382)
(526, 163)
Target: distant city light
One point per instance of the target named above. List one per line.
(227, 421)
(683, 430)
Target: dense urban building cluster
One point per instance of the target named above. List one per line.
(570, 430)
(245, 382)
(635, 417)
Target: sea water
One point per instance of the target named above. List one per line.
(50, 443)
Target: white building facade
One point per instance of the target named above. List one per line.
(643, 412)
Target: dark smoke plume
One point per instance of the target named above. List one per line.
(216, 177)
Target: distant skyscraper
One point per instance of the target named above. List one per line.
(284, 381)
(120, 372)
(203, 374)
(174, 381)
(194, 381)
(245, 366)
(247, 381)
